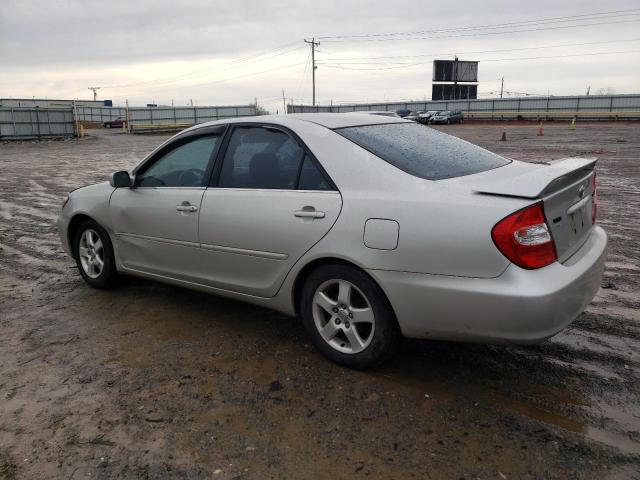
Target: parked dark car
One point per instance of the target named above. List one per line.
(117, 123)
(403, 112)
(448, 117)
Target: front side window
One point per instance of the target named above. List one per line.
(263, 158)
(423, 152)
(184, 166)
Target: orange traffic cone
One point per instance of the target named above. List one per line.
(503, 138)
(541, 130)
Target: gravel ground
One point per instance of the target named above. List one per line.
(153, 381)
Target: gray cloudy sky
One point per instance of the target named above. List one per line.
(219, 52)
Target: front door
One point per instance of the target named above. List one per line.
(156, 221)
(270, 202)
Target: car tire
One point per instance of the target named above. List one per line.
(449, 121)
(358, 330)
(461, 121)
(94, 255)
(108, 125)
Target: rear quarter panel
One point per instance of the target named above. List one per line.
(444, 229)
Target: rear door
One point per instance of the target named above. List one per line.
(156, 221)
(270, 201)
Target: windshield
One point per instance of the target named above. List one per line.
(444, 113)
(423, 152)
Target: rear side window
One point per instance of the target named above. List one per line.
(311, 178)
(423, 152)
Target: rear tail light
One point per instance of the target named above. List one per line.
(594, 198)
(524, 238)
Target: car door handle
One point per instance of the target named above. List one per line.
(186, 207)
(309, 213)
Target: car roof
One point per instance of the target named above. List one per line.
(329, 120)
(370, 112)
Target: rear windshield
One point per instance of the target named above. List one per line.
(423, 151)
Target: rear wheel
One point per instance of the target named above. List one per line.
(348, 317)
(94, 255)
(449, 121)
(108, 125)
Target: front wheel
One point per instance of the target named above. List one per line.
(449, 122)
(108, 125)
(348, 317)
(94, 255)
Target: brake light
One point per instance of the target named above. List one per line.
(524, 238)
(594, 199)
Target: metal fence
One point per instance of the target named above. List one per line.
(164, 115)
(26, 123)
(99, 114)
(186, 115)
(37, 122)
(596, 107)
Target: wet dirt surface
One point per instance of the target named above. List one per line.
(152, 381)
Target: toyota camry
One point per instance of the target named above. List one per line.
(367, 228)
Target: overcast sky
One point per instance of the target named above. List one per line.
(226, 53)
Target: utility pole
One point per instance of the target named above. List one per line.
(501, 87)
(313, 44)
(95, 92)
(284, 103)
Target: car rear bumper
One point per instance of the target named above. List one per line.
(519, 306)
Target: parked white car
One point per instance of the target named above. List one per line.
(367, 227)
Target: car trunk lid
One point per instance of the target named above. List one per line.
(566, 187)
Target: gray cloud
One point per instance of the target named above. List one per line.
(57, 48)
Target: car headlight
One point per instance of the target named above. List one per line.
(65, 201)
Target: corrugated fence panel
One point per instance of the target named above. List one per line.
(582, 106)
(624, 103)
(24, 122)
(186, 115)
(566, 104)
(528, 104)
(595, 103)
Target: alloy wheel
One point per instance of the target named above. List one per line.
(343, 316)
(91, 253)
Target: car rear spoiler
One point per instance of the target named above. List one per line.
(528, 180)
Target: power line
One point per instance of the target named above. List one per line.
(478, 34)
(335, 60)
(304, 74)
(239, 77)
(405, 65)
(567, 18)
(288, 48)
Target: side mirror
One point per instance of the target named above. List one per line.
(120, 179)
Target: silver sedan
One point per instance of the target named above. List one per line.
(368, 228)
